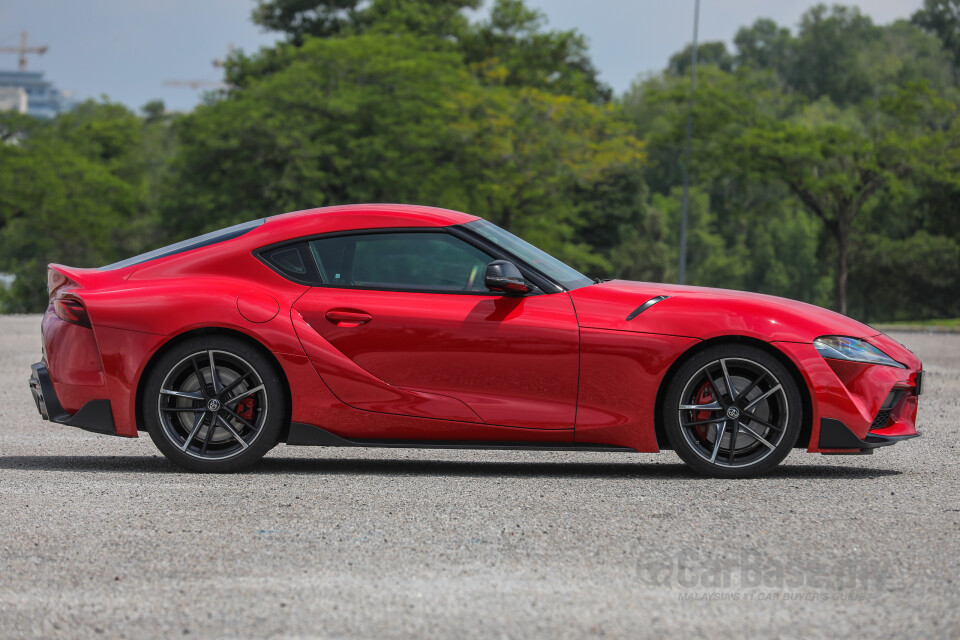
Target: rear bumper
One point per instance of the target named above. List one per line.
(94, 416)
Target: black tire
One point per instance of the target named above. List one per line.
(245, 401)
(758, 424)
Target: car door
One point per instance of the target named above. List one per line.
(407, 327)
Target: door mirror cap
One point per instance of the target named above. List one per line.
(503, 275)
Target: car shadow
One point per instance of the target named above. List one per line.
(448, 468)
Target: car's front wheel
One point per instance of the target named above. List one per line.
(214, 404)
(732, 411)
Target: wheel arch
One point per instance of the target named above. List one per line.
(210, 331)
(803, 440)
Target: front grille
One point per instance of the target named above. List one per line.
(882, 419)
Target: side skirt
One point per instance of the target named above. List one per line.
(309, 435)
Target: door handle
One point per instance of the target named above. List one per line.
(348, 318)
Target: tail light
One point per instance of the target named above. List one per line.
(71, 310)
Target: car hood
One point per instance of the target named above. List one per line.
(702, 312)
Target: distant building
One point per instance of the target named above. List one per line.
(43, 100)
(13, 99)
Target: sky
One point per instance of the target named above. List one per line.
(127, 49)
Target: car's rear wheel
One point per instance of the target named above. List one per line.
(214, 404)
(732, 411)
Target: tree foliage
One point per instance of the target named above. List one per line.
(826, 158)
(942, 19)
(371, 119)
(786, 129)
(69, 192)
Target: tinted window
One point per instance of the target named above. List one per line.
(206, 239)
(431, 261)
(290, 262)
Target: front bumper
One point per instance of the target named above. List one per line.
(94, 416)
(837, 439)
(857, 407)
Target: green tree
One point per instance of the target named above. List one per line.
(708, 53)
(765, 45)
(514, 48)
(511, 47)
(68, 190)
(827, 46)
(533, 158)
(942, 19)
(394, 118)
(837, 161)
(358, 119)
(300, 18)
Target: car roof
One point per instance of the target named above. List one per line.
(255, 234)
(362, 216)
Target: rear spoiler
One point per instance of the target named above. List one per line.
(62, 278)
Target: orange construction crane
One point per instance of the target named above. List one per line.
(219, 62)
(195, 84)
(23, 50)
(203, 84)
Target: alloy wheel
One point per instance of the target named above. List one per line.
(212, 405)
(733, 412)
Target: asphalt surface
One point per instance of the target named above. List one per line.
(101, 537)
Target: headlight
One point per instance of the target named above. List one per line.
(854, 350)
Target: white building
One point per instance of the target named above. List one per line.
(43, 99)
(13, 99)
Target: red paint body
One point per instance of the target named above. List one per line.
(555, 368)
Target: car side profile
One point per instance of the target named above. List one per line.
(409, 326)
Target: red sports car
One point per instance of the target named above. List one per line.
(406, 326)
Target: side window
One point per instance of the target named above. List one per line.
(409, 260)
(291, 261)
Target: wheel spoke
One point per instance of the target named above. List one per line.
(759, 379)
(196, 427)
(183, 409)
(243, 444)
(192, 395)
(245, 394)
(753, 418)
(201, 383)
(233, 385)
(721, 429)
(755, 435)
(713, 406)
(726, 379)
(214, 378)
(237, 416)
(763, 397)
(733, 445)
(206, 439)
(700, 422)
(713, 387)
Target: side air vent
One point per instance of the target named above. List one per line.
(881, 420)
(883, 416)
(646, 305)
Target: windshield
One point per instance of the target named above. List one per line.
(543, 262)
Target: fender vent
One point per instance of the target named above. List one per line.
(646, 305)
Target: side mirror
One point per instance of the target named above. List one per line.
(502, 275)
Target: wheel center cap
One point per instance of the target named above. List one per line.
(213, 404)
(733, 413)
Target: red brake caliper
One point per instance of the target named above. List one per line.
(704, 396)
(246, 407)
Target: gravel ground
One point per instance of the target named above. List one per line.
(101, 537)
